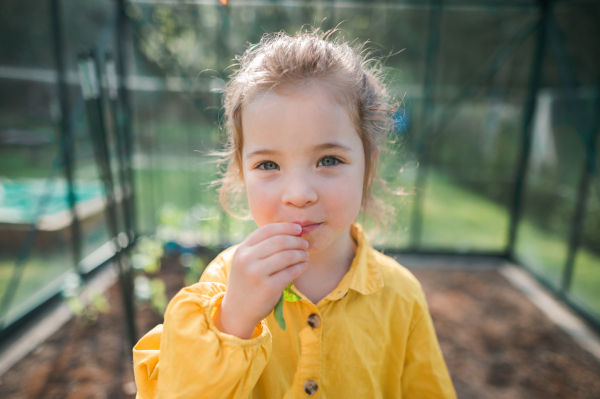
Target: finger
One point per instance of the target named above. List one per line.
(281, 260)
(272, 229)
(278, 243)
(287, 275)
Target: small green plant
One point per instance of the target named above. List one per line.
(198, 225)
(146, 259)
(86, 305)
(147, 255)
(193, 267)
(152, 291)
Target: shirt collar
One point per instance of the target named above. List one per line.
(364, 275)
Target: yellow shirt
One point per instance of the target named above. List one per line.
(371, 337)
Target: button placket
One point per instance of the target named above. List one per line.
(309, 365)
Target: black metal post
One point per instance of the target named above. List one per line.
(89, 69)
(588, 169)
(123, 265)
(123, 35)
(428, 113)
(111, 78)
(151, 142)
(534, 86)
(588, 133)
(576, 226)
(567, 77)
(66, 130)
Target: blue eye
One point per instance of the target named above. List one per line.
(268, 166)
(329, 161)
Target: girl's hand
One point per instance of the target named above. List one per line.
(263, 265)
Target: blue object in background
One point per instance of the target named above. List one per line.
(402, 119)
(18, 198)
(174, 248)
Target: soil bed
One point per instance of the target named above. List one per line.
(88, 361)
(495, 342)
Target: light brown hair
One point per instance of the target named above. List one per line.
(281, 61)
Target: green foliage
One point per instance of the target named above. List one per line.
(147, 254)
(198, 225)
(194, 267)
(175, 225)
(170, 215)
(85, 305)
(159, 297)
(278, 313)
(146, 259)
(287, 295)
(152, 291)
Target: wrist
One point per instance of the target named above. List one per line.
(228, 322)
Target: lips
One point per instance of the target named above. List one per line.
(308, 226)
(305, 223)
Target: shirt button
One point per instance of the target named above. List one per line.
(314, 320)
(310, 387)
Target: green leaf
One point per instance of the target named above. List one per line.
(278, 313)
(287, 295)
(290, 295)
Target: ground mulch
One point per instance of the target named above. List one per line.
(88, 361)
(495, 342)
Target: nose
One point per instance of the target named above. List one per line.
(299, 191)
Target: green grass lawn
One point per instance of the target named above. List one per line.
(585, 286)
(456, 219)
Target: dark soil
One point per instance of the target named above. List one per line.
(495, 342)
(87, 361)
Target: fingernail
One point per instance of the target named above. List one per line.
(305, 244)
(307, 254)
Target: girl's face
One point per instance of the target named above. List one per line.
(302, 162)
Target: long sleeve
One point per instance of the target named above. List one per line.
(425, 374)
(188, 357)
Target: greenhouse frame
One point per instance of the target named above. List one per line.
(107, 120)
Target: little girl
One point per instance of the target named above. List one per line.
(306, 117)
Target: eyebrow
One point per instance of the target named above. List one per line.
(320, 147)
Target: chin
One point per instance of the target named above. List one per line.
(321, 241)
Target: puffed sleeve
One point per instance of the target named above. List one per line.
(188, 357)
(425, 374)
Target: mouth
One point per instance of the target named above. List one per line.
(308, 226)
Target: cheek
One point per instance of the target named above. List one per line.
(262, 201)
(343, 197)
